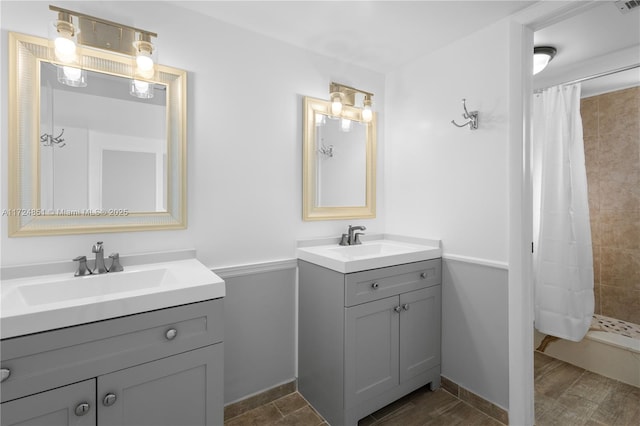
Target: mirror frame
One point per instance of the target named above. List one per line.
(25, 216)
(310, 211)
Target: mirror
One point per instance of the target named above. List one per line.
(339, 165)
(93, 159)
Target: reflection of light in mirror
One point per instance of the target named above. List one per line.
(320, 119)
(345, 125)
(141, 89)
(72, 76)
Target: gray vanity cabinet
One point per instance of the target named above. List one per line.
(168, 392)
(162, 367)
(367, 338)
(54, 407)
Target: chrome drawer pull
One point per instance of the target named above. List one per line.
(171, 334)
(423, 275)
(82, 408)
(109, 399)
(375, 285)
(397, 309)
(4, 374)
(405, 306)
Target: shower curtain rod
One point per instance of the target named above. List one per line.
(591, 77)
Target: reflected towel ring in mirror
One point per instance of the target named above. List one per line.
(471, 116)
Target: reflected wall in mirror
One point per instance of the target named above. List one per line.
(339, 163)
(93, 158)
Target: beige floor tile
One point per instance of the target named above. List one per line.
(290, 403)
(264, 415)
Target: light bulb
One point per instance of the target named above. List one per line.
(367, 113)
(144, 61)
(65, 49)
(336, 107)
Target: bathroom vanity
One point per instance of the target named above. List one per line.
(158, 363)
(371, 336)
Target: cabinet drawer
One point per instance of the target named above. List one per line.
(365, 286)
(55, 358)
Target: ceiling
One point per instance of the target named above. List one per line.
(378, 35)
(600, 38)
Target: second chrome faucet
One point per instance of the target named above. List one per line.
(352, 238)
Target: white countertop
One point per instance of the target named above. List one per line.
(40, 303)
(377, 252)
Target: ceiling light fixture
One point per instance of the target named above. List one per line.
(73, 30)
(341, 95)
(542, 55)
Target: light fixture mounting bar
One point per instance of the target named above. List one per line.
(100, 20)
(337, 87)
(104, 34)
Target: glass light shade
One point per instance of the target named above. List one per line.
(367, 113)
(336, 103)
(141, 89)
(72, 76)
(145, 61)
(345, 125)
(542, 55)
(540, 62)
(63, 36)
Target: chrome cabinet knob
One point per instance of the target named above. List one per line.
(4, 374)
(397, 309)
(82, 408)
(423, 275)
(375, 285)
(405, 306)
(171, 334)
(109, 399)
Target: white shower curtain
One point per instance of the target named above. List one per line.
(563, 259)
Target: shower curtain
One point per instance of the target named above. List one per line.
(563, 259)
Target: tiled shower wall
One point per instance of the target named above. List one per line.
(611, 123)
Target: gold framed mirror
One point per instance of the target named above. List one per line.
(339, 163)
(89, 161)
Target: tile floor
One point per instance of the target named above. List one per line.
(565, 395)
(569, 395)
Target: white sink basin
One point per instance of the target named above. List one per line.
(92, 286)
(369, 255)
(40, 303)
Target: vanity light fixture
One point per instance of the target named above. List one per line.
(344, 95)
(542, 55)
(73, 30)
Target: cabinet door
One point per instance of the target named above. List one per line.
(56, 407)
(371, 349)
(419, 331)
(184, 389)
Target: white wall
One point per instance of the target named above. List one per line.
(451, 183)
(244, 129)
(244, 167)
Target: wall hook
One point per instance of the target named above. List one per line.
(471, 116)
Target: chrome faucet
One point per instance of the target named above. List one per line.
(99, 268)
(355, 239)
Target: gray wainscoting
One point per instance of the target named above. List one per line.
(259, 327)
(475, 343)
